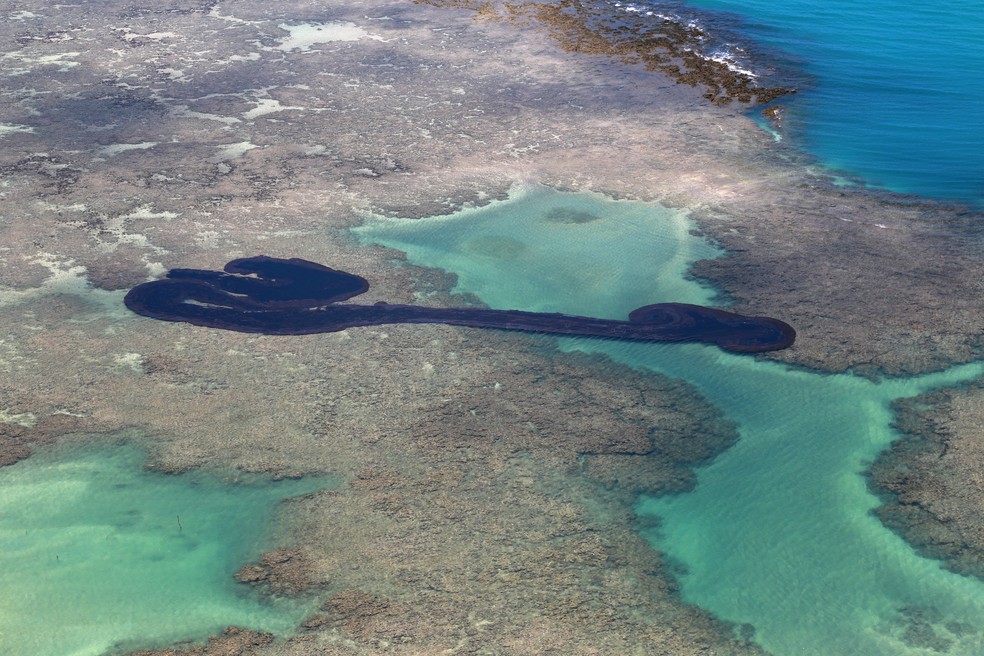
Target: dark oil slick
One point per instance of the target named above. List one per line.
(296, 297)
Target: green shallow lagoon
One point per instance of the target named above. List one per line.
(778, 533)
(99, 555)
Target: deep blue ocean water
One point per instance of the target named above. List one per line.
(890, 91)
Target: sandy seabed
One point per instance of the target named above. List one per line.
(489, 480)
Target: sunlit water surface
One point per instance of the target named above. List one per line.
(778, 533)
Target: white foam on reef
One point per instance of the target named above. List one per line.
(232, 151)
(25, 419)
(183, 111)
(115, 227)
(729, 59)
(12, 357)
(54, 207)
(155, 270)
(62, 60)
(725, 56)
(130, 35)
(113, 150)
(304, 35)
(250, 56)
(230, 18)
(129, 361)
(68, 278)
(265, 104)
(10, 128)
(633, 9)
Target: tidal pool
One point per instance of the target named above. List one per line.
(100, 555)
(778, 534)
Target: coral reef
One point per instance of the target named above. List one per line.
(931, 478)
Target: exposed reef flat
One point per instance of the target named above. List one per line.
(932, 480)
(149, 136)
(499, 104)
(671, 46)
(417, 552)
(926, 314)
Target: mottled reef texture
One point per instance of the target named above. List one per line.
(233, 642)
(932, 480)
(487, 497)
(282, 571)
(489, 479)
(677, 48)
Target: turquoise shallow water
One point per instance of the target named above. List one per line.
(96, 553)
(778, 532)
(893, 89)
